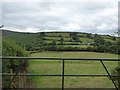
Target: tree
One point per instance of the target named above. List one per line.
(113, 38)
(88, 35)
(98, 40)
(61, 41)
(42, 34)
(41, 45)
(53, 47)
(74, 36)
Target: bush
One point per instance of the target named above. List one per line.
(10, 48)
(116, 79)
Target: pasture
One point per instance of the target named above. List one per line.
(71, 67)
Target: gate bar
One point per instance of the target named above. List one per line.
(91, 75)
(108, 74)
(39, 58)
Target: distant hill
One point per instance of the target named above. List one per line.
(60, 41)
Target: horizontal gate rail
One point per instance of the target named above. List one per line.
(92, 75)
(63, 67)
(39, 58)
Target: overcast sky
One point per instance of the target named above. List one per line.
(93, 16)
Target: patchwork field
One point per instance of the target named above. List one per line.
(63, 41)
(71, 67)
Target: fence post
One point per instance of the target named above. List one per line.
(63, 68)
(11, 77)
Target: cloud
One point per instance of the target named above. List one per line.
(93, 17)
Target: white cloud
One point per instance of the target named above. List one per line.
(85, 16)
(72, 26)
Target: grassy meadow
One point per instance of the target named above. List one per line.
(71, 67)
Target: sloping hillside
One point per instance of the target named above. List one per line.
(62, 41)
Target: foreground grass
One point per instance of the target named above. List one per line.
(71, 67)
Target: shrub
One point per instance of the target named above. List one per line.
(10, 48)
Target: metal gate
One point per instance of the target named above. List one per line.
(63, 68)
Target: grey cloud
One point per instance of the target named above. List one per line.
(58, 16)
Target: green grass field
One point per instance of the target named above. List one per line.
(71, 67)
(83, 39)
(109, 40)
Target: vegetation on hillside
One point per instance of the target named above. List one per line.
(10, 48)
(65, 41)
